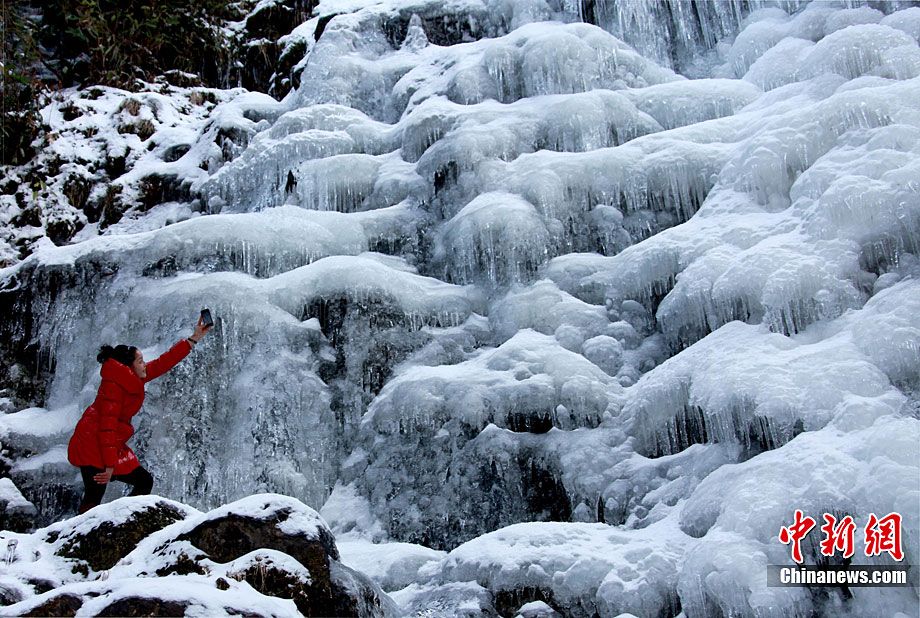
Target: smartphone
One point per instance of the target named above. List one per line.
(206, 318)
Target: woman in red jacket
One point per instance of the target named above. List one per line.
(98, 446)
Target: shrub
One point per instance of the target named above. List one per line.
(116, 43)
(21, 90)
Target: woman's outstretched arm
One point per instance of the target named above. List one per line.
(173, 355)
(168, 359)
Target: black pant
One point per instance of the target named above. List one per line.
(139, 478)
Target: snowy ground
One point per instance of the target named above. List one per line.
(531, 316)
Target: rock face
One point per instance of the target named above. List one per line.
(114, 559)
(268, 63)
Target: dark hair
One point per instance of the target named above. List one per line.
(124, 354)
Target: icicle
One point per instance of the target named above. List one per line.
(11, 551)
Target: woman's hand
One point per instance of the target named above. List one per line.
(200, 330)
(104, 477)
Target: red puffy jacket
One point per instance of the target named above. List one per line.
(100, 437)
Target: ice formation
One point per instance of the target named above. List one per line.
(546, 316)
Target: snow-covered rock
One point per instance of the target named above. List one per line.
(264, 555)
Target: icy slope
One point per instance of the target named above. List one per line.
(512, 287)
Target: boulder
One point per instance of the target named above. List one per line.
(16, 513)
(65, 604)
(99, 538)
(144, 606)
(264, 521)
(264, 555)
(277, 575)
(179, 558)
(9, 594)
(283, 548)
(355, 594)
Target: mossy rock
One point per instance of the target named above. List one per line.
(233, 535)
(144, 606)
(183, 562)
(159, 188)
(340, 591)
(60, 229)
(314, 579)
(65, 604)
(105, 544)
(277, 579)
(9, 595)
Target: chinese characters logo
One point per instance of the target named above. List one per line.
(880, 535)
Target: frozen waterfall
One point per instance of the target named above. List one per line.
(586, 298)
